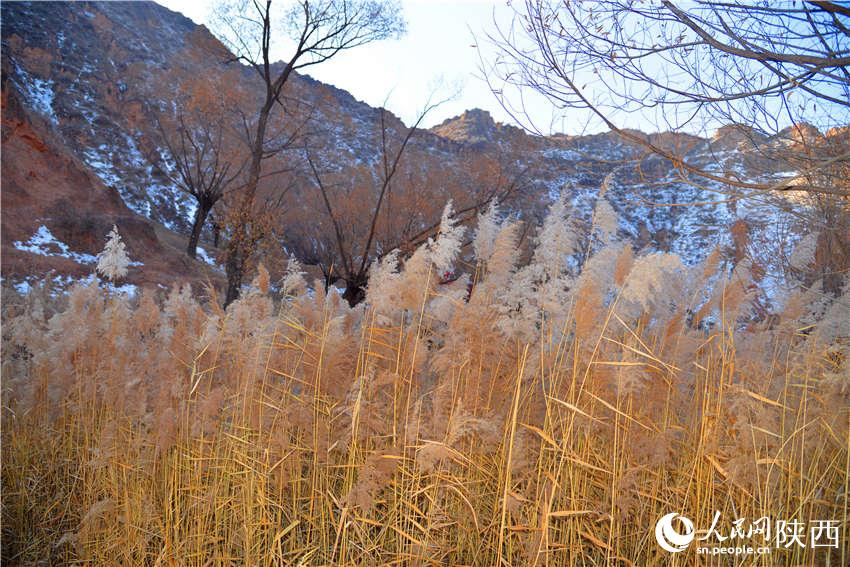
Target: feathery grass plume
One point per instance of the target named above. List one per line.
(106, 448)
(624, 264)
(592, 288)
(804, 252)
(514, 503)
(113, 261)
(524, 456)
(429, 263)
(502, 261)
(79, 325)
(654, 281)
(486, 231)
(96, 518)
(445, 248)
(25, 325)
(206, 419)
(375, 475)
(390, 290)
(542, 286)
(834, 389)
(464, 426)
(624, 496)
(362, 414)
(739, 290)
(146, 318)
(740, 232)
(710, 265)
(450, 295)
(250, 316)
(750, 424)
(605, 221)
(588, 311)
(794, 306)
(293, 282)
(656, 449)
(416, 280)
(180, 305)
(181, 328)
(631, 378)
(182, 314)
(165, 427)
(471, 333)
(701, 280)
(556, 241)
(835, 323)
(807, 307)
(116, 335)
(262, 280)
(598, 270)
(430, 455)
(382, 291)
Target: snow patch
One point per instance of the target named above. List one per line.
(205, 257)
(103, 169)
(39, 94)
(22, 287)
(61, 284)
(108, 161)
(44, 243)
(126, 289)
(563, 155)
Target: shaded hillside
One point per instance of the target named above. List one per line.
(56, 212)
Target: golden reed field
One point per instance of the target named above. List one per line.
(532, 412)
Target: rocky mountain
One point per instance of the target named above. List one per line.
(79, 152)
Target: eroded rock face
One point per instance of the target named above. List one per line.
(80, 154)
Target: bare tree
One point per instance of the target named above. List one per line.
(192, 131)
(320, 30)
(763, 66)
(200, 162)
(392, 204)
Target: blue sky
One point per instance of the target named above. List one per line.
(438, 55)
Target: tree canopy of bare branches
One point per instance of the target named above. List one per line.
(764, 66)
(205, 154)
(359, 214)
(320, 29)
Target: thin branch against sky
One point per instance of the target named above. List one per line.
(451, 43)
(444, 44)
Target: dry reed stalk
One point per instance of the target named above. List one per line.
(310, 433)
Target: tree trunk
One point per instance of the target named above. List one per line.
(355, 290)
(234, 267)
(201, 214)
(216, 230)
(238, 249)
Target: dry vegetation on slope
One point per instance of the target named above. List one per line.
(550, 417)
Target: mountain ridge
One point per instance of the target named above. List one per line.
(69, 65)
